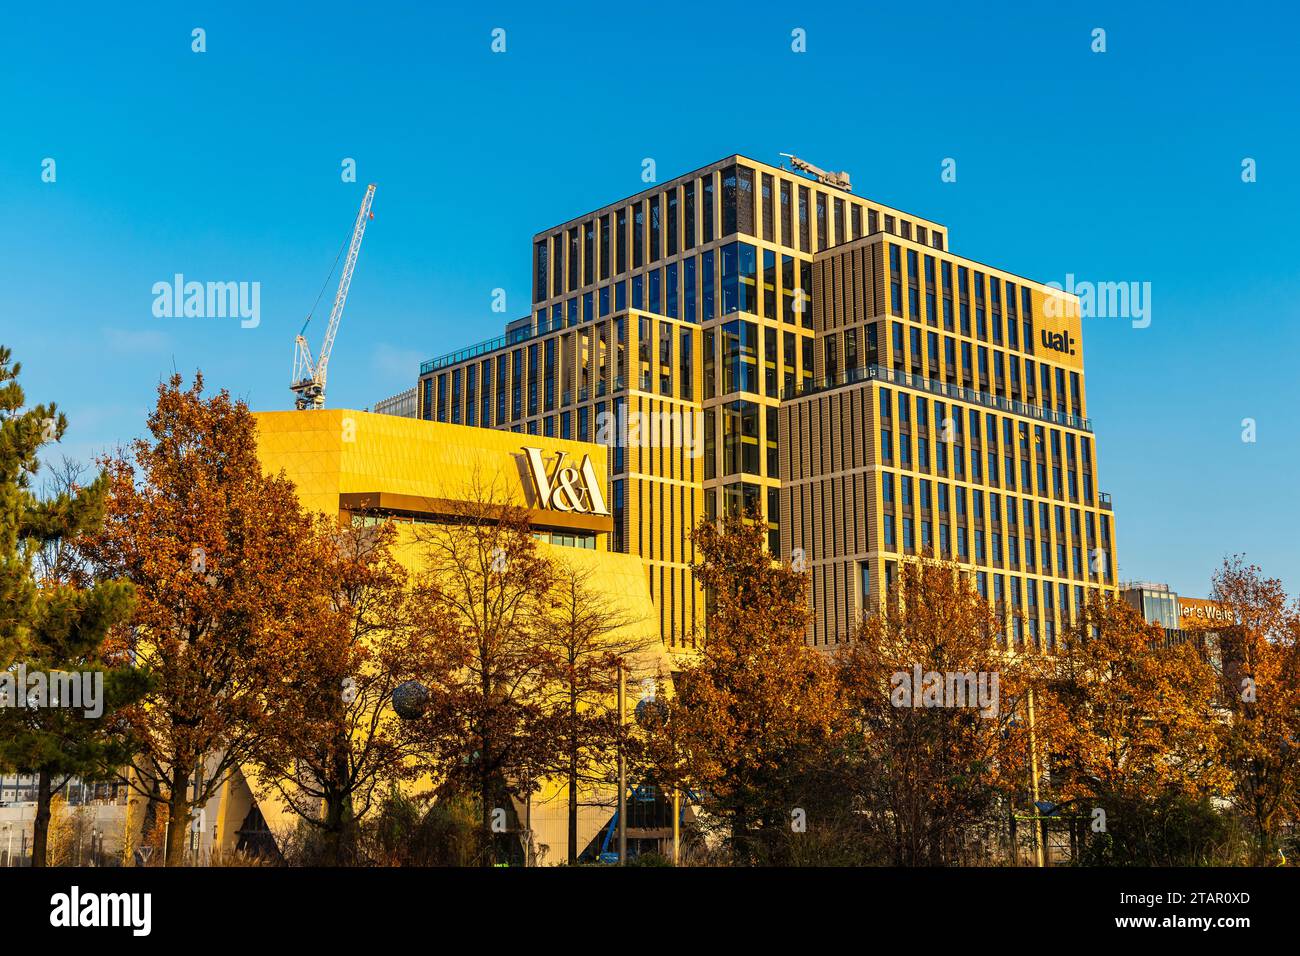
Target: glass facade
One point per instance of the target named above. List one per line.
(740, 289)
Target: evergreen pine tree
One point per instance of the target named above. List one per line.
(54, 618)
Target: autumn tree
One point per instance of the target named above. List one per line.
(222, 561)
(336, 747)
(1130, 716)
(1260, 648)
(583, 639)
(938, 714)
(22, 433)
(55, 617)
(485, 726)
(755, 713)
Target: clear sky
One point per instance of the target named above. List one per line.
(1122, 166)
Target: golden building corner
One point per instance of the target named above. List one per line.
(365, 466)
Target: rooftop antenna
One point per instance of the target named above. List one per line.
(839, 180)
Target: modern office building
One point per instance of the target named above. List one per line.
(946, 417)
(1155, 602)
(744, 335)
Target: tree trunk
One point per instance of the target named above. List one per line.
(488, 854)
(178, 816)
(338, 812)
(41, 825)
(1264, 854)
(148, 819)
(739, 844)
(573, 811)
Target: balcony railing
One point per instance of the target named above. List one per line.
(935, 387)
(460, 355)
(488, 346)
(1104, 502)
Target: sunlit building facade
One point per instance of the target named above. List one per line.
(946, 417)
(718, 332)
(676, 316)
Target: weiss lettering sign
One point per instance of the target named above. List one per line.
(1194, 611)
(566, 488)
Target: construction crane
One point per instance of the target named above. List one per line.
(308, 381)
(839, 180)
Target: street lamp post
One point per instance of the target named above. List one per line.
(1033, 785)
(677, 825)
(622, 766)
(653, 715)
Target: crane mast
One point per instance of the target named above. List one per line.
(308, 381)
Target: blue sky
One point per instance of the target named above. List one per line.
(1119, 166)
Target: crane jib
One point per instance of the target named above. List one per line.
(308, 379)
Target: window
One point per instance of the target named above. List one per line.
(688, 290)
(773, 458)
(769, 284)
(787, 217)
(769, 224)
(655, 240)
(604, 247)
(740, 438)
(770, 336)
(708, 208)
(638, 235)
(589, 253)
(685, 361)
(690, 190)
(541, 267)
(803, 219)
(665, 359)
(706, 285)
(672, 224)
(739, 278)
(739, 356)
(620, 241)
